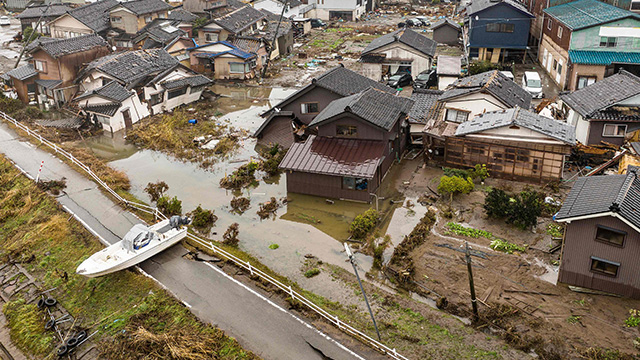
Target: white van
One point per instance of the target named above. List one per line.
(532, 83)
(508, 74)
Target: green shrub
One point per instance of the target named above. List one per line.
(311, 273)
(170, 207)
(28, 35)
(364, 223)
(26, 326)
(634, 318)
(525, 209)
(455, 185)
(458, 229)
(202, 218)
(10, 106)
(480, 171)
(240, 178)
(274, 246)
(230, 236)
(478, 67)
(496, 203)
(505, 246)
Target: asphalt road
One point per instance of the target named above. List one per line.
(258, 323)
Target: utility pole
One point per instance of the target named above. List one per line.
(275, 38)
(353, 263)
(472, 288)
(33, 32)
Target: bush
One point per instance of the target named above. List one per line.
(156, 190)
(478, 67)
(29, 35)
(10, 106)
(202, 218)
(496, 203)
(479, 171)
(170, 207)
(272, 158)
(521, 209)
(455, 185)
(505, 246)
(364, 223)
(230, 236)
(311, 273)
(634, 318)
(240, 178)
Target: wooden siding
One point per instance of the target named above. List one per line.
(553, 32)
(580, 245)
(278, 131)
(327, 186)
(365, 131)
(322, 96)
(511, 160)
(596, 130)
(446, 34)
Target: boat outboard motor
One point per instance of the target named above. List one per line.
(176, 221)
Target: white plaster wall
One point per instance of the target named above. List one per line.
(582, 130)
(476, 104)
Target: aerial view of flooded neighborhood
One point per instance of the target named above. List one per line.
(320, 179)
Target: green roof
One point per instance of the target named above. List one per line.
(585, 13)
(603, 57)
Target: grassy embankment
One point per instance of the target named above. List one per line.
(37, 233)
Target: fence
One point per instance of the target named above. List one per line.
(295, 296)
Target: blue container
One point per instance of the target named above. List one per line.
(193, 121)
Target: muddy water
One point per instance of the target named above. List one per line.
(402, 222)
(306, 225)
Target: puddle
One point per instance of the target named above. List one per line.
(551, 275)
(110, 147)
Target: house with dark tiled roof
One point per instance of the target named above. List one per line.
(403, 50)
(496, 30)
(223, 60)
(32, 14)
(298, 110)
(425, 105)
(242, 21)
(162, 33)
(58, 62)
(130, 17)
(211, 8)
(159, 81)
(515, 144)
(87, 19)
(602, 235)
(606, 111)
(22, 81)
(465, 99)
(358, 139)
(585, 41)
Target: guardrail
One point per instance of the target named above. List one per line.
(344, 327)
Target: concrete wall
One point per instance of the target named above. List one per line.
(372, 71)
(578, 70)
(550, 51)
(580, 245)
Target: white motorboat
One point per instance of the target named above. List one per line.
(139, 244)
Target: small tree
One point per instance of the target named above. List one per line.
(364, 223)
(496, 204)
(29, 35)
(478, 67)
(203, 218)
(455, 185)
(156, 190)
(170, 207)
(526, 209)
(230, 236)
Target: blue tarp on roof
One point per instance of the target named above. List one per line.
(603, 57)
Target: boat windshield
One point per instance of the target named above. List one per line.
(129, 240)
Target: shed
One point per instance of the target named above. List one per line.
(447, 32)
(448, 70)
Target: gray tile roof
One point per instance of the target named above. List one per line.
(112, 91)
(344, 82)
(61, 47)
(95, 15)
(602, 194)
(132, 67)
(48, 11)
(160, 30)
(449, 65)
(141, 7)
(22, 73)
(104, 109)
(604, 93)
(425, 103)
(193, 81)
(491, 82)
(48, 84)
(522, 118)
(480, 5)
(182, 15)
(377, 107)
(407, 37)
(239, 19)
(446, 22)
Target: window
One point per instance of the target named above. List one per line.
(41, 66)
(116, 19)
(500, 27)
(611, 236)
(148, 19)
(614, 130)
(197, 89)
(236, 68)
(458, 116)
(584, 81)
(175, 93)
(555, 64)
(123, 44)
(162, 15)
(346, 130)
(156, 99)
(211, 37)
(549, 24)
(608, 41)
(560, 32)
(560, 68)
(350, 183)
(604, 266)
(309, 108)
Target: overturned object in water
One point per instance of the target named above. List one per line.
(139, 244)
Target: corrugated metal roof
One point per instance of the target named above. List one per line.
(584, 13)
(335, 156)
(603, 57)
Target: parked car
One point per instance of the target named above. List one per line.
(508, 74)
(399, 80)
(317, 23)
(425, 21)
(401, 25)
(426, 79)
(532, 83)
(414, 22)
(5, 21)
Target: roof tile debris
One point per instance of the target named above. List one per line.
(111, 91)
(61, 47)
(335, 156)
(47, 11)
(375, 106)
(425, 106)
(603, 194)
(239, 19)
(407, 37)
(522, 118)
(96, 15)
(602, 94)
(585, 13)
(494, 83)
(162, 31)
(141, 7)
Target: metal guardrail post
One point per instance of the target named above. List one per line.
(250, 268)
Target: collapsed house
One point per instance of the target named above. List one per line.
(129, 17)
(358, 139)
(606, 111)
(158, 81)
(602, 236)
